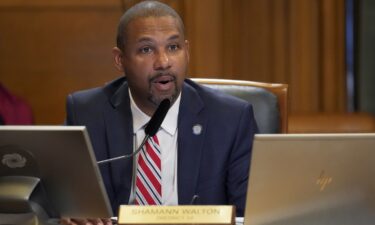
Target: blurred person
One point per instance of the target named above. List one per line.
(13, 109)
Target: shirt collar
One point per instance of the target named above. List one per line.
(140, 119)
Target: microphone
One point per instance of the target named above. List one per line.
(158, 117)
(150, 130)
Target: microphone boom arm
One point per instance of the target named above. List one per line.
(150, 130)
(126, 156)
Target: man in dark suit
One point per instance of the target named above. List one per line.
(207, 136)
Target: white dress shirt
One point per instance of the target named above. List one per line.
(167, 136)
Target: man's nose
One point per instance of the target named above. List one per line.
(162, 61)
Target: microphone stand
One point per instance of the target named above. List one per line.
(126, 156)
(152, 127)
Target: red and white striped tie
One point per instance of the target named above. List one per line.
(148, 180)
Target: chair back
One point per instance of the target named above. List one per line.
(269, 100)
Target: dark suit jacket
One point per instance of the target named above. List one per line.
(213, 165)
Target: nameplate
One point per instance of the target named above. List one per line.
(192, 214)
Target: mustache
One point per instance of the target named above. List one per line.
(158, 75)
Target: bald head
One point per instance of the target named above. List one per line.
(143, 10)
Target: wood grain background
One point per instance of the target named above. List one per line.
(51, 48)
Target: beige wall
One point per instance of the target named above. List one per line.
(51, 48)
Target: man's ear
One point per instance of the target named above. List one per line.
(117, 56)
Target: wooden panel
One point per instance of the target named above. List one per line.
(231, 40)
(51, 48)
(331, 123)
(332, 56)
(288, 41)
(47, 54)
(58, 3)
(304, 55)
(255, 39)
(205, 37)
(280, 41)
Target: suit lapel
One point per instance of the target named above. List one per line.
(119, 130)
(191, 132)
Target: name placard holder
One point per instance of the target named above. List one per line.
(191, 214)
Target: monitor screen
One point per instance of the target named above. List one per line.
(62, 158)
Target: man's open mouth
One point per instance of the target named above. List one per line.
(164, 82)
(163, 79)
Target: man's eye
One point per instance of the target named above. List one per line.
(145, 50)
(173, 47)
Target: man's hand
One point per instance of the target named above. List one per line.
(97, 221)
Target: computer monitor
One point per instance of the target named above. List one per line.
(62, 157)
(308, 179)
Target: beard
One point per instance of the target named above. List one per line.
(156, 95)
(156, 98)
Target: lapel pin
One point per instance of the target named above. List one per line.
(197, 129)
